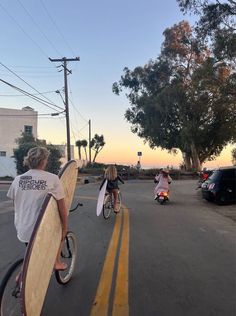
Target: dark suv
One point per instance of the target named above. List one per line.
(221, 186)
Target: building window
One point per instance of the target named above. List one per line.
(3, 153)
(28, 129)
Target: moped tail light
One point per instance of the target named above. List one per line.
(211, 186)
(163, 194)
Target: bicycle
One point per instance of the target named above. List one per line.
(10, 288)
(108, 204)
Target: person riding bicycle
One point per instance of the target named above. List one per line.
(28, 191)
(112, 183)
(163, 180)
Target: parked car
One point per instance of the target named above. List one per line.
(220, 187)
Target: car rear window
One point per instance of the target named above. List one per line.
(215, 175)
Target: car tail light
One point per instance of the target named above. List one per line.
(211, 186)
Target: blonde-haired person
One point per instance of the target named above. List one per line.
(112, 183)
(28, 191)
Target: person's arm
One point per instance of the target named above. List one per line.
(169, 179)
(120, 179)
(103, 181)
(157, 178)
(64, 217)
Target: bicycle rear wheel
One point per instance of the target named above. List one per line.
(10, 291)
(69, 256)
(107, 206)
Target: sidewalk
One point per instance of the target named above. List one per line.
(5, 182)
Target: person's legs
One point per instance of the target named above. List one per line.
(115, 194)
(19, 274)
(58, 264)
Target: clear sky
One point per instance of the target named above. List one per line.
(107, 35)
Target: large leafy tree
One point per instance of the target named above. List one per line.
(25, 143)
(217, 22)
(181, 100)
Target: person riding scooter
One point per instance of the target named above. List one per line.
(163, 180)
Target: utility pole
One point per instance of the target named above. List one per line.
(90, 141)
(66, 71)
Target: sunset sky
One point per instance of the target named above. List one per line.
(107, 36)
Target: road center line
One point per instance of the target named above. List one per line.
(121, 296)
(101, 301)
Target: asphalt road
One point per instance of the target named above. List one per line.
(177, 259)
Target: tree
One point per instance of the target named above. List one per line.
(216, 22)
(84, 144)
(54, 162)
(234, 156)
(181, 100)
(97, 143)
(78, 143)
(25, 143)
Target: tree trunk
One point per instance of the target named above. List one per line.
(95, 156)
(187, 161)
(86, 157)
(195, 159)
(79, 152)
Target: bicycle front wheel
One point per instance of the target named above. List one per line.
(107, 206)
(69, 256)
(10, 291)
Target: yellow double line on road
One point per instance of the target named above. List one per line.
(120, 304)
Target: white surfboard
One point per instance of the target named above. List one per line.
(101, 196)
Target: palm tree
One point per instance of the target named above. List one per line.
(84, 144)
(78, 143)
(97, 143)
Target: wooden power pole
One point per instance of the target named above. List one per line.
(66, 71)
(90, 141)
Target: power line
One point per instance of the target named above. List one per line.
(14, 66)
(21, 95)
(30, 86)
(31, 96)
(76, 108)
(56, 27)
(29, 115)
(35, 43)
(45, 36)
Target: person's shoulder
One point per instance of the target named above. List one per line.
(50, 175)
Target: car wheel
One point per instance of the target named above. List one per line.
(222, 199)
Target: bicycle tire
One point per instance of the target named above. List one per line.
(107, 206)
(69, 256)
(10, 305)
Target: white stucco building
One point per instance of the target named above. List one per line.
(12, 124)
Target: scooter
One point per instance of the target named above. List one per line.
(162, 197)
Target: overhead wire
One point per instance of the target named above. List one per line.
(75, 108)
(21, 95)
(56, 27)
(37, 25)
(31, 96)
(35, 43)
(50, 102)
(26, 115)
